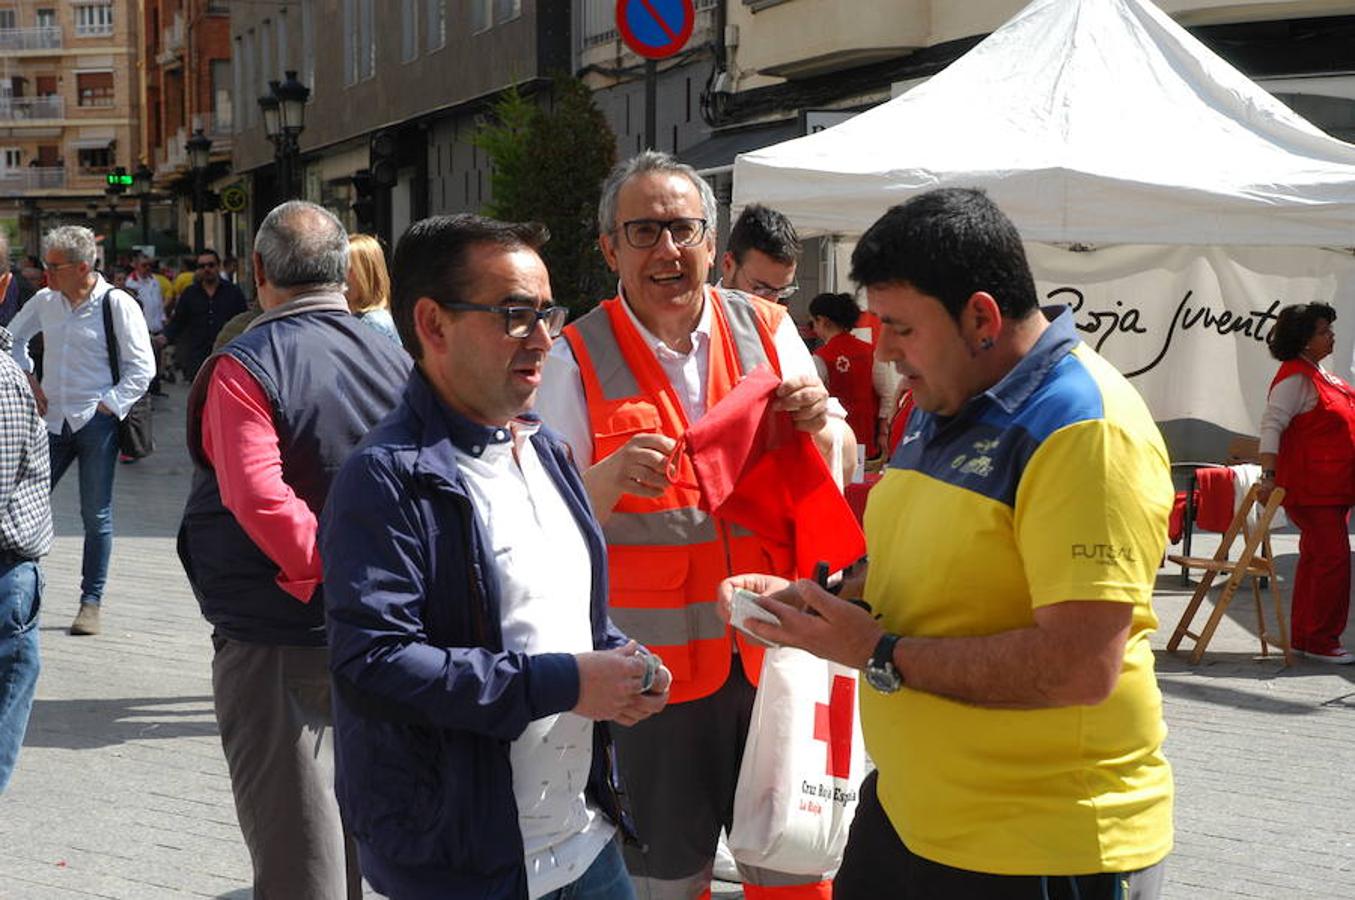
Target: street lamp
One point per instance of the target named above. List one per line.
(115, 186)
(142, 183)
(199, 148)
(284, 118)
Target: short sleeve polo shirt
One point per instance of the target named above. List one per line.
(1052, 486)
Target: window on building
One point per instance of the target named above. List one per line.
(222, 112)
(93, 19)
(45, 85)
(9, 19)
(367, 58)
(435, 24)
(266, 70)
(485, 14)
(49, 155)
(283, 64)
(359, 40)
(94, 88)
(249, 102)
(409, 30)
(94, 160)
(46, 18)
(10, 158)
(239, 84)
(308, 44)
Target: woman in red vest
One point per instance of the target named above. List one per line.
(846, 365)
(1308, 448)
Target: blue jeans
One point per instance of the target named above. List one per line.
(606, 879)
(96, 447)
(20, 598)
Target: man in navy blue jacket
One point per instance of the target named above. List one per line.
(473, 659)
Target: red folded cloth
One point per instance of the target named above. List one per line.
(1215, 509)
(757, 470)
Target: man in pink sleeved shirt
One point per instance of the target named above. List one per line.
(271, 417)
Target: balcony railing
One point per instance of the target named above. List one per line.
(172, 41)
(15, 109)
(173, 154)
(32, 178)
(15, 39)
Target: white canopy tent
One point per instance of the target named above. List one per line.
(1099, 121)
(1103, 122)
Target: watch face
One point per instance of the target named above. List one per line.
(885, 679)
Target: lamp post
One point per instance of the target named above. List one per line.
(284, 118)
(142, 182)
(115, 187)
(199, 148)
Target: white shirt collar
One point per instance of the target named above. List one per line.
(700, 334)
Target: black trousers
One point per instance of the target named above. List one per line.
(877, 864)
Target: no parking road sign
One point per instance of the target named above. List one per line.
(655, 29)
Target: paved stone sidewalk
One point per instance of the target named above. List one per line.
(121, 789)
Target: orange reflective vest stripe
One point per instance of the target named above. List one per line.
(666, 556)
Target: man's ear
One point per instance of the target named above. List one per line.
(608, 251)
(259, 275)
(982, 317)
(430, 325)
(727, 266)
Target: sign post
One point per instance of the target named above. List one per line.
(655, 29)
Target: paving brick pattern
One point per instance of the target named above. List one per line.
(122, 792)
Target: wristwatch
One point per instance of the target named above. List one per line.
(880, 671)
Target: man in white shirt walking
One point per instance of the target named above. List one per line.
(147, 289)
(78, 396)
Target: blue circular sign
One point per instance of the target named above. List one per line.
(655, 29)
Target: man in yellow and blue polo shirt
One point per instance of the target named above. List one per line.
(1014, 541)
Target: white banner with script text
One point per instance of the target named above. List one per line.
(1188, 325)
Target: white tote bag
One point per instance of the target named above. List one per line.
(802, 766)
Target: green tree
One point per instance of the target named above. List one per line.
(549, 163)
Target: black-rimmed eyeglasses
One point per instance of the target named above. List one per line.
(518, 321)
(645, 233)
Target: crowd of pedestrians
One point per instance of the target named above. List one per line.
(470, 607)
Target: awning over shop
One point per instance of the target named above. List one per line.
(718, 151)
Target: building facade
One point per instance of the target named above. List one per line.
(418, 73)
(69, 89)
(185, 60)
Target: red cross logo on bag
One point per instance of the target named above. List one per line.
(833, 725)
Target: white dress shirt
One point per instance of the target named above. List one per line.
(546, 580)
(75, 373)
(152, 301)
(563, 406)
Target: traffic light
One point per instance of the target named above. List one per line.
(384, 169)
(119, 177)
(363, 207)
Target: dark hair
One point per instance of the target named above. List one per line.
(207, 251)
(765, 230)
(840, 309)
(949, 244)
(430, 261)
(1294, 328)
